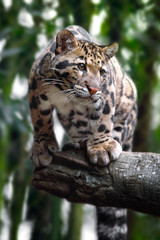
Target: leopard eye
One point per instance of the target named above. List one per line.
(82, 66)
(102, 71)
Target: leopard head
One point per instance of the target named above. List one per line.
(81, 65)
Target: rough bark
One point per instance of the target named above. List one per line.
(132, 181)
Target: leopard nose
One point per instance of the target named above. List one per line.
(92, 90)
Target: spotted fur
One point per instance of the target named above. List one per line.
(94, 98)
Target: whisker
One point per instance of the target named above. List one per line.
(61, 91)
(69, 95)
(68, 98)
(53, 83)
(52, 79)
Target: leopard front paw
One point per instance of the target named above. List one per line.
(41, 155)
(101, 154)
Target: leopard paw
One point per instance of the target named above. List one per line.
(42, 155)
(102, 154)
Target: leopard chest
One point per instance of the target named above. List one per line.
(75, 121)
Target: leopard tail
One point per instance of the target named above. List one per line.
(111, 223)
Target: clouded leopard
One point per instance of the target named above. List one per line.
(95, 101)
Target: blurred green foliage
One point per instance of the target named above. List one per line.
(135, 26)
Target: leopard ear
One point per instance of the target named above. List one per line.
(65, 41)
(110, 49)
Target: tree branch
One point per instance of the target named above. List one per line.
(132, 181)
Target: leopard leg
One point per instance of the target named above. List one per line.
(44, 139)
(101, 146)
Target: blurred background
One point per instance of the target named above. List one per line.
(26, 26)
